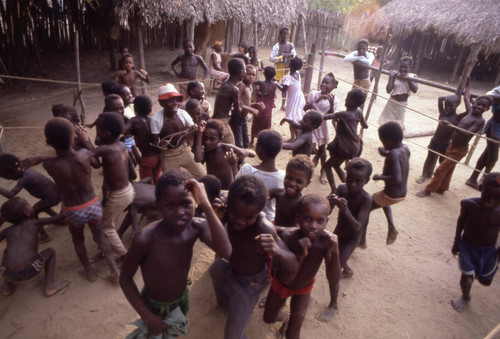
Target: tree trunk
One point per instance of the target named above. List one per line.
(140, 47)
(469, 65)
(420, 52)
(458, 63)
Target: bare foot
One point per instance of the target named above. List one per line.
(347, 273)
(459, 303)
(391, 237)
(323, 180)
(440, 192)
(423, 193)
(281, 332)
(421, 180)
(55, 287)
(327, 314)
(472, 183)
(89, 275)
(315, 161)
(7, 288)
(44, 238)
(96, 258)
(111, 278)
(362, 245)
(262, 303)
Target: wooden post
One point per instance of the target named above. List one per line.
(420, 52)
(229, 29)
(293, 33)
(322, 62)
(310, 69)
(3, 145)
(255, 35)
(469, 65)
(140, 47)
(303, 20)
(78, 95)
(458, 63)
(472, 149)
(190, 27)
(242, 32)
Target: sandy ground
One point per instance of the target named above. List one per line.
(397, 291)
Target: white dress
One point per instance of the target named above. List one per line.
(321, 135)
(295, 101)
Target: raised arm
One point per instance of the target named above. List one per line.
(412, 84)
(441, 105)
(351, 57)
(199, 152)
(50, 220)
(143, 75)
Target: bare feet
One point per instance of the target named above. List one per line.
(96, 258)
(323, 180)
(7, 288)
(423, 193)
(281, 332)
(89, 275)
(327, 314)
(362, 245)
(347, 273)
(459, 303)
(55, 287)
(472, 183)
(315, 161)
(391, 237)
(421, 179)
(111, 278)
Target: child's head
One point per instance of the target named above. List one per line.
(17, 210)
(124, 92)
(143, 105)
(243, 58)
(313, 211)
(354, 99)
(451, 103)
(311, 120)
(212, 186)
(405, 65)
(380, 52)
(193, 107)
(124, 50)
(390, 134)
(217, 46)
(168, 98)
(490, 190)
(176, 204)
(362, 46)
(359, 171)
(107, 86)
(328, 84)
(127, 62)
(59, 134)
(188, 46)
(196, 90)
(299, 171)
(109, 127)
(250, 75)
(9, 168)
(284, 34)
(481, 104)
(236, 68)
(269, 73)
(296, 64)
(246, 198)
(269, 144)
(243, 47)
(114, 103)
(252, 52)
(214, 130)
(66, 112)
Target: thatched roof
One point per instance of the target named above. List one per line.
(468, 22)
(157, 12)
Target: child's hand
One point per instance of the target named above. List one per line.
(382, 151)
(28, 162)
(377, 177)
(220, 207)
(444, 122)
(341, 203)
(143, 71)
(197, 189)
(282, 121)
(81, 133)
(155, 324)
(266, 244)
(230, 157)
(392, 74)
(305, 243)
(201, 126)
(333, 241)
(454, 248)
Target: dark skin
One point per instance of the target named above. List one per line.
(263, 88)
(404, 70)
(163, 249)
(478, 225)
(303, 141)
(140, 128)
(189, 63)
(228, 97)
(129, 75)
(246, 95)
(213, 59)
(354, 205)
(198, 93)
(311, 244)
(287, 198)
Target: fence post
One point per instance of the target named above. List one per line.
(3, 145)
(321, 62)
(310, 69)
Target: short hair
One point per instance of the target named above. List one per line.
(212, 186)
(360, 164)
(60, 110)
(8, 163)
(269, 73)
(250, 67)
(106, 86)
(270, 141)
(172, 177)
(363, 42)
(249, 189)
(191, 104)
(118, 89)
(59, 133)
(186, 41)
(334, 80)
(111, 122)
(296, 63)
(143, 105)
(122, 59)
(391, 131)
(216, 125)
(357, 97)
(315, 117)
(313, 199)
(241, 56)
(485, 97)
(252, 48)
(284, 29)
(235, 66)
(192, 85)
(244, 45)
(110, 98)
(453, 98)
(12, 210)
(406, 60)
(303, 163)
(491, 180)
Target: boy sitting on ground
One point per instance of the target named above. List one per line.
(303, 142)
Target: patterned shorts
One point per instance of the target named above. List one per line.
(78, 216)
(27, 273)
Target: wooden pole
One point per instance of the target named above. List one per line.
(458, 63)
(420, 52)
(322, 62)
(191, 26)
(310, 69)
(227, 43)
(140, 47)
(255, 35)
(303, 20)
(472, 149)
(78, 95)
(469, 65)
(3, 145)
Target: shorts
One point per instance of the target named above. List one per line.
(27, 273)
(483, 261)
(284, 292)
(78, 216)
(129, 143)
(441, 149)
(383, 200)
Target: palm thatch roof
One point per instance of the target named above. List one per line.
(157, 12)
(468, 22)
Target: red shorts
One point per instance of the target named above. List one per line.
(150, 167)
(284, 292)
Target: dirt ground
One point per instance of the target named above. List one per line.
(397, 291)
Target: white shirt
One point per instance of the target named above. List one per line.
(353, 56)
(276, 49)
(158, 118)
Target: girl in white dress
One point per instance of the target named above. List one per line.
(295, 98)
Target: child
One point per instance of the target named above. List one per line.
(228, 97)
(459, 146)
(255, 61)
(324, 102)
(361, 74)
(128, 75)
(38, 185)
(354, 205)
(209, 149)
(447, 106)
(268, 146)
(475, 238)
(377, 61)
(305, 127)
(196, 90)
(82, 139)
(265, 94)
(239, 281)
(189, 66)
(295, 103)
(140, 128)
(243, 48)
(311, 244)
(281, 54)
(394, 175)
(163, 251)
(21, 260)
(216, 71)
(298, 175)
(124, 92)
(400, 89)
(72, 174)
(212, 186)
(347, 144)
(106, 87)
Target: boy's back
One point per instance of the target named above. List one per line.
(227, 96)
(397, 163)
(140, 128)
(114, 164)
(22, 245)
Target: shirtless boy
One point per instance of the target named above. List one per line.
(82, 139)
(311, 244)
(475, 238)
(21, 260)
(239, 281)
(128, 75)
(229, 97)
(38, 185)
(354, 205)
(394, 174)
(189, 66)
(163, 251)
(299, 171)
(303, 142)
(71, 172)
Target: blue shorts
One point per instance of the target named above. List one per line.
(78, 216)
(481, 261)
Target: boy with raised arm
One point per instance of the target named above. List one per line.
(477, 231)
(394, 175)
(163, 251)
(303, 142)
(239, 281)
(311, 244)
(128, 75)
